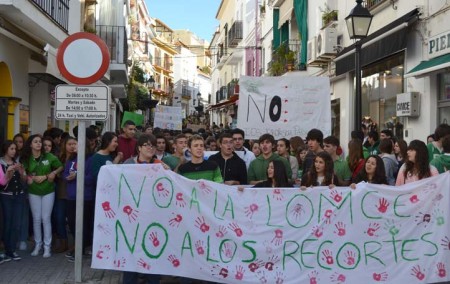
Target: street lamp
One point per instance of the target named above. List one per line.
(358, 24)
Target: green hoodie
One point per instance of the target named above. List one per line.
(442, 163)
(258, 167)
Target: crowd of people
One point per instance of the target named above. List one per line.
(38, 174)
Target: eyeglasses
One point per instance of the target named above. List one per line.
(147, 145)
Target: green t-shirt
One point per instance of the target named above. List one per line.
(257, 170)
(433, 152)
(205, 170)
(41, 166)
(172, 161)
(342, 170)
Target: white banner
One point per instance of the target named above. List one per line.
(168, 117)
(154, 221)
(284, 106)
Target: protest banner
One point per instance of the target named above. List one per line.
(151, 220)
(137, 118)
(284, 106)
(168, 117)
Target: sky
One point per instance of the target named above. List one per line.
(198, 16)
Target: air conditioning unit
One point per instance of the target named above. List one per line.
(327, 43)
(312, 46)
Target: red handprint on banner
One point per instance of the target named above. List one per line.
(328, 256)
(218, 270)
(103, 251)
(179, 200)
(132, 214)
(237, 230)
(279, 278)
(340, 227)
(297, 210)
(204, 187)
(154, 238)
(423, 218)
(383, 205)
(119, 263)
(417, 272)
(174, 260)
(313, 277)
(271, 262)
(336, 195)
(199, 247)
(201, 224)
(109, 212)
(373, 228)
(143, 264)
(255, 265)
(350, 257)
(380, 276)
(227, 250)
(175, 221)
(277, 194)
(441, 272)
(162, 191)
(414, 198)
(250, 210)
(239, 272)
(338, 278)
(317, 231)
(221, 232)
(278, 238)
(328, 215)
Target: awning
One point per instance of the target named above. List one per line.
(285, 12)
(230, 101)
(385, 42)
(428, 66)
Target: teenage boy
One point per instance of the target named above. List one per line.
(127, 141)
(442, 162)
(161, 147)
(199, 168)
(177, 158)
(257, 172)
(314, 139)
(374, 143)
(232, 168)
(341, 168)
(238, 143)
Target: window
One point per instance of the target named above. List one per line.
(444, 98)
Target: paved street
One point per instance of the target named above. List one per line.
(55, 269)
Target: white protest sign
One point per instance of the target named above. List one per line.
(167, 117)
(151, 220)
(284, 106)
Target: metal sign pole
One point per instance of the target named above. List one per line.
(80, 200)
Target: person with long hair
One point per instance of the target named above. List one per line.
(42, 169)
(373, 172)
(321, 173)
(19, 140)
(276, 176)
(48, 145)
(107, 153)
(416, 166)
(400, 148)
(355, 156)
(68, 148)
(283, 149)
(12, 199)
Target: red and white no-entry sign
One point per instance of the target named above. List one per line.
(83, 58)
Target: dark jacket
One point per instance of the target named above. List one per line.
(89, 179)
(232, 169)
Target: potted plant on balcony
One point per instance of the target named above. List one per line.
(277, 68)
(290, 60)
(329, 16)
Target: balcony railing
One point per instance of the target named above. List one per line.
(235, 34)
(233, 88)
(222, 93)
(115, 38)
(371, 4)
(57, 10)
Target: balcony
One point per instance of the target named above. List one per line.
(222, 94)
(373, 4)
(57, 10)
(115, 38)
(235, 34)
(232, 88)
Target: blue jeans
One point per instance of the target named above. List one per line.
(59, 217)
(12, 206)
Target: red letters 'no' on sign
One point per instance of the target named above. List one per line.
(83, 58)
